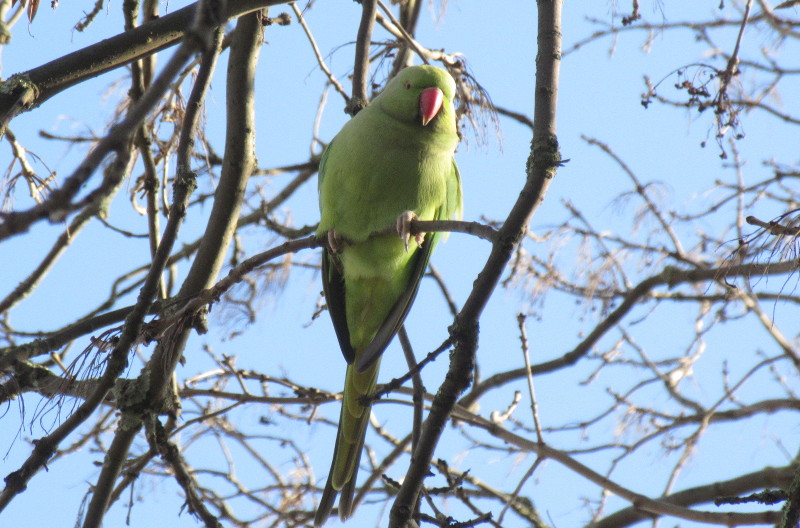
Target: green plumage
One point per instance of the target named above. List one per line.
(382, 163)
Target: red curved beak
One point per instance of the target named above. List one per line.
(430, 102)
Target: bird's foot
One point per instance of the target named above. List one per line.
(334, 242)
(404, 229)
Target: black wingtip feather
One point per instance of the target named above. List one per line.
(333, 285)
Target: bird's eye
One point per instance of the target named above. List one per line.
(407, 85)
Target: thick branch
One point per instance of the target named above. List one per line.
(361, 64)
(541, 169)
(769, 477)
(670, 276)
(27, 90)
(185, 183)
(640, 502)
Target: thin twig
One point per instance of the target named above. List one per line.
(405, 34)
(523, 336)
(324, 67)
(419, 393)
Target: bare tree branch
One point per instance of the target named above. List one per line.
(541, 168)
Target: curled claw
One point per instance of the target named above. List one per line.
(404, 228)
(334, 242)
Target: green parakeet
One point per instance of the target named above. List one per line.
(391, 163)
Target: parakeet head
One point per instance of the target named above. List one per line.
(421, 95)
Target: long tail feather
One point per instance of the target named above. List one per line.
(353, 420)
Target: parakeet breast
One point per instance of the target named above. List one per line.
(374, 173)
